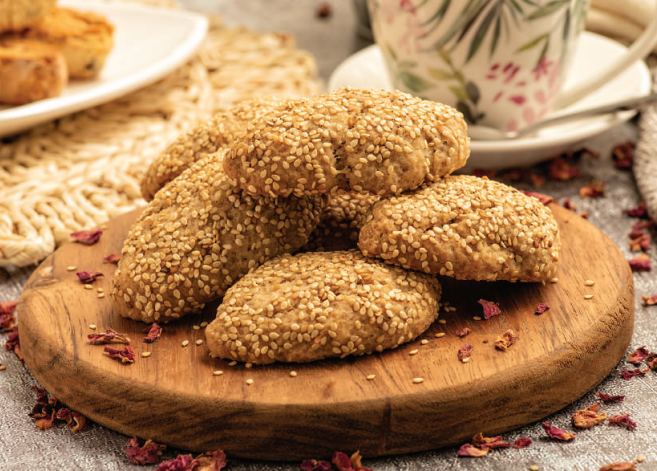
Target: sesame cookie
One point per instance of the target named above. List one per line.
(30, 71)
(349, 140)
(318, 305)
(341, 223)
(465, 227)
(207, 138)
(199, 236)
(84, 38)
(18, 14)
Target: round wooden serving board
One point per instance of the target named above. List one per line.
(174, 398)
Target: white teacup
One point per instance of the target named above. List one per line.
(501, 63)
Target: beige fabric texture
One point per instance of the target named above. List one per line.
(84, 169)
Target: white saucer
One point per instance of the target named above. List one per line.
(149, 43)
(366, 69)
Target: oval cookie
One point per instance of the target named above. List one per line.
(318, 305)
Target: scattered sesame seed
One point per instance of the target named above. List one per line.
(466, 359)
(533, 468)
(217, 373)
(88, 287)
(554, 280)
(370, 377)
(293, 374)
(440, 334)
(185, 343)
(71, 268)
(3, 367)
(424, 341)
(640, 458)
(450, 309)
(204, 324)
(418, 380)
(249, 382)
(477, 318)
(590, 282)
(442, 321)
(92, 326)
(196, 327)
(146, 354)
(199, 342)
(232, 363)
(248, 365)
(100, 290)
(104, 227)
(588, 296)
(101, 295)
(413, 352)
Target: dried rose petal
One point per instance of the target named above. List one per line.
(154, 332)
(649, 300)
(606, 398)
(622, 420)
(87, 277)
(623, 155)
(7, 318)
(594, 190)
(537, 180)
(489, 443)
(624, 466)
(127, 355)
(569, 205)
(355, 459)
(13, 343)
(88, 237)
(142, 451)
(324, 10)
(74, 420)
(463, 333)
(629, 374)
(465, 351)
(112, 258)
(541, 308)
(180, 463)
(314, 465)
(638, 355)
(505, 340)
(469, 450)
(557, 433)
(211, 461)
(109, 336)
(488, 173)
(640, 263)
(522, 442)
(490, 308)
(639, 211)
(341, 461)
(560, 169)
(640, 243)
(588, 417)
(651, 361)
(545, 199)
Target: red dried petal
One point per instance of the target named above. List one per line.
(463, 333)
(355, 459)
(638, 355)
(314, 465)
(569, 205)
(505, 340)
(87, 277)
(639, 211)
(640, 263)
(607, 398)
(541, 308)
(13, 343)
(588, 417)
(489, 443)
(640, 242)
(180, 463)
(651, 361)
(127, 355)
(545, 199)
(624, 466)
(623, 155)
(7, 318)
(142, 452)
(649, 300)
(112, 258)
(154, 332)
(480, 173)
(211, 460)
(341, 461)
(557, 433)
(622, 420)
(593, 190)
(109, 336)
(559, 169)
(469, 450)
(537, 180)
(324, 10)
(46, 422)
(522, 442)
(629, 374)
(78, 422)
(490, 308)
(465, 351)
(88, 237)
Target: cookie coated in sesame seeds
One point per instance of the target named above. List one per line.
(199, 236)
(206, 138)
(341, 223)
(318, 305)
(465, 227)
(349, 140)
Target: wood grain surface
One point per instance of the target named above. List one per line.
(174, 398)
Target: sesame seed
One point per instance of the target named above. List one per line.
(3, 367)
(71, 268)
(249, 382)
(424, 341)
(370, 377)
(204, 324)
(640, 458)
(466, 359)
(533, 467)
(196, 327)
(146, 354)
(199, 342)
(293, 374)
(418, 380)
(554, 280)
(87, 286)
(588, 296)
(590, 282)
(185, 343)
(101, 295)
(92, 326)
(100, 290)
(442, 321)
(440, 334)
(413, 352)
(217, 373)
(476, 318)
(232, 363)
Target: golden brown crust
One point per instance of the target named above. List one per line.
(207, 138)
(199, 236)
(350, 140)
(465, 227)
(30, 71)
(18, 14)
(319, 305)
(84, 38)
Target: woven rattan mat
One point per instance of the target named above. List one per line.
(81, 170)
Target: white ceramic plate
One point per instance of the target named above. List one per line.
(148, 44)
(366, 69)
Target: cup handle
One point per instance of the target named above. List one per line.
(637, 51)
